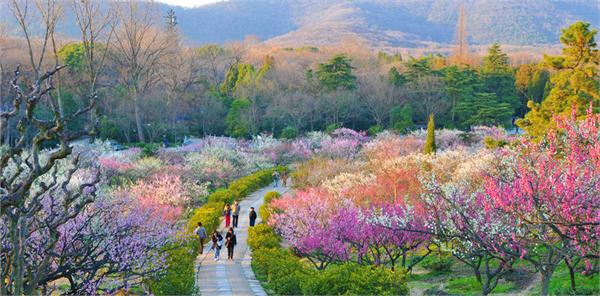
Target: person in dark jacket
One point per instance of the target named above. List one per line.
(252, 216)
(217, 242)
(230, 242)
(200, 231)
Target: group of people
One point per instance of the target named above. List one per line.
(230, 211)
(217, 241)
(283, 177)
(230, 241)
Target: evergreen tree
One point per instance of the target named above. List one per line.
(536, 88)
(396, 78)
(498, 78)
(231, 78)
(575, 83)
(460, 86)
(236, 121)
(496, 61)
(401, 118)
(336, 73)
(488, 111)
(430, 147)
(416, 68)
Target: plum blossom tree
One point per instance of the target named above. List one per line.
(552, 194)
(307, 222)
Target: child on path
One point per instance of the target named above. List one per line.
(227, 214)
(230, 242)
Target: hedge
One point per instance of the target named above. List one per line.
(354, 279)
(180, 275)
(262, 236)
(265, 209)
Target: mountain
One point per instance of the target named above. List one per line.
(380, 23)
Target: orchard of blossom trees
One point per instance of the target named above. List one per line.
(390, 205)
(101, 220)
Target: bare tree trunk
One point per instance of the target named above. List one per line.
(138, 116)
(571, 267)
(547, 272)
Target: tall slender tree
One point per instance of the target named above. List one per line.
(430, 147)
(138, 48)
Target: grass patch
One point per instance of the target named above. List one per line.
(560, 284)
(470, 286)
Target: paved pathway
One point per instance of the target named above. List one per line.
(235, 277)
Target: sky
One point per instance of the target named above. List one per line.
(189, 3)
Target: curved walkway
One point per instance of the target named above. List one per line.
(235, 277)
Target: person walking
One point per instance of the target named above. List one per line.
(200, 231)
(276, 178)
(217, 243)
(230, 242)
(284, 178)
(252, 216)
(235, 212)
(227, 215)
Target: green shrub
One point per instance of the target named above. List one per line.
(374, 130)
(492, 143)
(331, 127)
(289, 133)
(209, 215)
(221, 196)
(274, 263)
(354, 279)
(288, 284)
(148, 149)
(179, 277)
(264, 212)
(270, 196)
(262, 236)
(244, 186)
(438, 263)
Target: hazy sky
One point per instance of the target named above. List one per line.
(189, 3)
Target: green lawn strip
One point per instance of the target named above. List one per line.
(470, 286)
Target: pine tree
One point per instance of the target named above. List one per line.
(396, 78)
(430, 147)
(574, 85)
(337, 73)
(496, 61)
(498, 78)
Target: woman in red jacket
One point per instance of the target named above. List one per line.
(227, 214)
